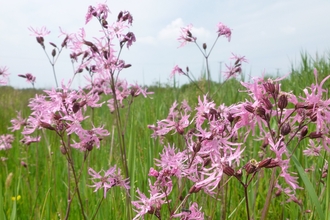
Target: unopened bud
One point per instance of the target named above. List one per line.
(194, 189)
(229, 171)
(251, 166)
(324, 174)
(273, 163)
(267, 103)
(207, 162)
(54, 52)
(261, 112)
(313, 117)
(63, 150)
(204, 46)
(315, 135)
(197, 147)
(282, 102)
(54, 45)
(265, 143)
(286, 128)
(46, 125)
(303, 132)
(269, 87)
(249, 108)
(264, 162)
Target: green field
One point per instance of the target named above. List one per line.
(34, 179)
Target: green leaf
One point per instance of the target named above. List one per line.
(309, 187)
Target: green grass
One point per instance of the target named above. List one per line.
(42, 184)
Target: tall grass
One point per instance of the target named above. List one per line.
(33, 177)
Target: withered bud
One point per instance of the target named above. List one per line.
(63, 150)
(54, 45)
(194, 189)
(229, 171)
(282, 102)
(204, 46)
(285, 129)
(267, 103)
(46, 125)
(264, 162)
(303, 131)
(315, 135)
(127, 66)
(54, 52)
(197, 147)
(249, 108)
(119, 16)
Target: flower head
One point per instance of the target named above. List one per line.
(186, 36)
(224, 30)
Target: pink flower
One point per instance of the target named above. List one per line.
(29, 77)
(17, 122)
(314, 150)
(176, 70)
(109, 179)
(193, 213)
(39, 32)
(27, 140)
(101, 12)
(186, 36)
(3, 75)
(224, 30)
(5, 141)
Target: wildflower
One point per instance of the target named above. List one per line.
(16, 198)
(192, 213)
(29, 77)
(177, 70)
(186, 36)
(39, 32)
(4, 75)
(5, 141)
(314, 150)
(224, 30)
(109, 179)
(17, 122)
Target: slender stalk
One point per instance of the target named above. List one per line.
(269, 195)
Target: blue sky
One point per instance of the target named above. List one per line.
(271, 34)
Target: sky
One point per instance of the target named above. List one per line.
(270, 34)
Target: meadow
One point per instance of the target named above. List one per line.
(33, 177)
(241, 149)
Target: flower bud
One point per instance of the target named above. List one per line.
(229, 171)
(197, 147)
(265, 143)
(23, 164)
(54, 52)
(264, 162)
(251, 166)
(204, 46)
(313, 117)
(260, 111)
(286, 128)
(282, 102)
(239, 174)
(46, 125)
(249, 108)
(324, 174)
(303, 132)
(315, 135)
(207, 162)
(63, 150)
(194, 189)
(269, 87)
(54, 45)
(273, 163)
(267, 103)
